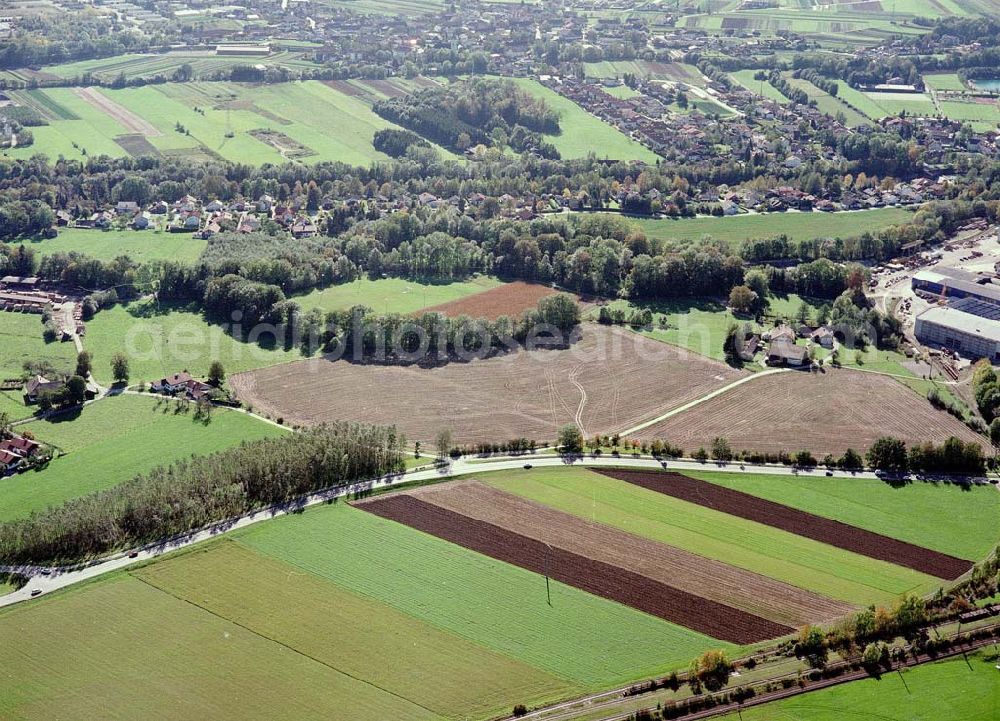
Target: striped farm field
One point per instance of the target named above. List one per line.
(356, 635)
(707, 596)
(308, 121)
(176, 660)
(957, 520)
(802, 523)
(339, 612)
(688, 525)
(591, 641)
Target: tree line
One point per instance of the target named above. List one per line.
(193, 493)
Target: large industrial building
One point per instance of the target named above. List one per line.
(956, 283)
(970, 327)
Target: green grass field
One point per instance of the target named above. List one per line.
(135, 65)
(140, 245)
(700, 325)
(588, 640)
(797, 226)
(756, 547)
(160, 342)
(760, 87)
(114, 439)
(859, 100)
(392, 295)
(21, 340)
(896, 103)
(678, 72)
(624, 92)
(121, 648)
(957, 689)
(945, 81)
(311, 121)
(583, 133)
(942, 517)
(829, 104)
(353, 634)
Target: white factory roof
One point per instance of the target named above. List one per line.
(963, 322)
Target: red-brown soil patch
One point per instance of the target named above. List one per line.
(708, 578)
(601, 579)
(611, 380)
(820, 412)
(793, 520)
(344, 87)
(510, 299)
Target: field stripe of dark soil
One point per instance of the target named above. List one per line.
(601, 579)
(793, 520)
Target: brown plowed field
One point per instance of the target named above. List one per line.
(824, 530)
(509, 299)
(610, 380)
(821, 412)
(601, 579)
(685, 571)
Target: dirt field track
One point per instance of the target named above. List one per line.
(793, 520)
(685, 571)
(511, 299)
(610, 380)
(120, 114)
(601, 579)
(821, 412)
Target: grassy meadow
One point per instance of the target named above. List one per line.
(308, 120)
(114, 439)
(437, 670)
(964, 688)
(176, 660)
(797, 226)
(700, 325)
(140, 245)
(163, 339)
(392, 295)
(944, 517)
(583, 133)
(798, 561)
(21, 340)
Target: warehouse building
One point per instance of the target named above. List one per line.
(970, 327)
(955, 283)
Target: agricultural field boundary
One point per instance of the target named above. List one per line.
(601, 579)
(802, 523)
(707, 397)
(63, 577)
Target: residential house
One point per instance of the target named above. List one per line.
(9, 462)
(181, 383)
(823, 336)
(784, 352)
(38, 385)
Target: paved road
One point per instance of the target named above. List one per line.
(47, 580)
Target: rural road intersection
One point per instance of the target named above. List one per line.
(52, 579)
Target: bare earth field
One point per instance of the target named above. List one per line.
(821, 412)
(714, 580)
(600, 579)
(801, 523)
(511, 299)
(610, 380)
